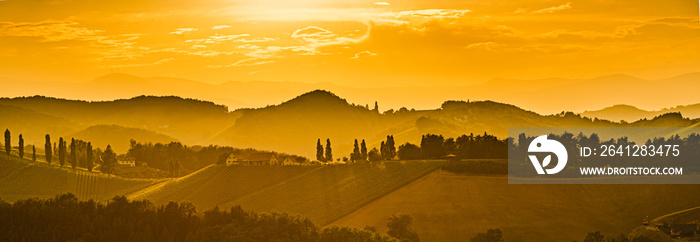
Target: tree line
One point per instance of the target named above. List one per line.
(179, 159)
(434, 146)
(387, 151)
(81, 153)
(65, 218)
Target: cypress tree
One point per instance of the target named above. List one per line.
(47, 148)
(33, 153)
(329, 151)
(73, 154)
(391, 147)
(363, 151)
(319, 150)
(382, 150)
(89, 157)
(21, 146)
(61, 151)
(355, 152)
(8, 144)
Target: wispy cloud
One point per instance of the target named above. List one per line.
(432, 13)
(382, 3)
(215, 39)
(362, 54)
(48, 30)
(311, 31)
(555, 9)
(221, 27)
(236, 38)
(244, 62)
(489, 45)
(183, 30)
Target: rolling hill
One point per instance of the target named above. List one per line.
(23, 179)
(320, 193)
(188, 120)
(291, 127)
(449, 207)
(295, 126)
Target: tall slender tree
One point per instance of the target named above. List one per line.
(329, 151)
(355, 155)
(61, 151)
(33, 153)
(89, 157)
(21, 146)
(391, 147)
(47, 148)
(73, 154)
(382, 150)
(363, 151)
(8, 144)
(319, 150)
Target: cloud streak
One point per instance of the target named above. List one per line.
(183, 30)
(555, 9)
(48, 30)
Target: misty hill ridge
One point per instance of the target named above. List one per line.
(292, 126)
(237, 94)
(631, 113)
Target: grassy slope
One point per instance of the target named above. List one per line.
(327, 194)
(321, 193)
(217, 185)
(448, 207)
(22, 179)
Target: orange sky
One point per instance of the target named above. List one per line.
(349, 43)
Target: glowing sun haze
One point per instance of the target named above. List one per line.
(348, 43)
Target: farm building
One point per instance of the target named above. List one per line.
(253, 159)
(130, 163)
(235, 158)
(290, 161)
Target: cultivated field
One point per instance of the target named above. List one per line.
(449, 207)
(217, 185)
(22, 179)
(320, 193)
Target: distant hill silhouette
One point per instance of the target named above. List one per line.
(553, 94)
(630, 113)
(190, 120)
(294, 126)
(291, 127)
